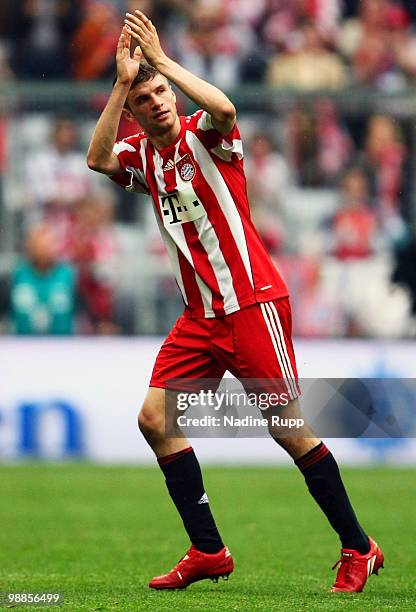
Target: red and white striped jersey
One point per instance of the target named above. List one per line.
(199, 193)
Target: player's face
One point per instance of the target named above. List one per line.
(153, 105)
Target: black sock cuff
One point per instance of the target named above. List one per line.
(312, 457)
(162, 461)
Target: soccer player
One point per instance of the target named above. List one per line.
(237, 314)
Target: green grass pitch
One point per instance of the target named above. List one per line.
(98, 534)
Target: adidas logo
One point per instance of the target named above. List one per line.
(170, 164)
(204, 499)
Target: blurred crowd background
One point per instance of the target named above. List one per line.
(324, 93)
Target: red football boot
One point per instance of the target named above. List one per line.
(355, 568)
(194, 566)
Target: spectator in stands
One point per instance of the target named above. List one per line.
(250, 17)
(41, 32)
(320, 315)
(379, 45)
(282, 19)
(317, 144)
(95, 41)
(373, 63)
(57, 177)
(334, 143)
(308, 66)
(42, 289)
(369, 23)
(94, 249)
(278, 22)
(402, 40)
(247, 11)
(326, 15)
(384, 157)
(268, 183)
(212, 45)
(302, 146)
(354, 227)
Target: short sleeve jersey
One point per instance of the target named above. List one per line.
(198, 188)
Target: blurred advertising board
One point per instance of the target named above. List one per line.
(63, 399)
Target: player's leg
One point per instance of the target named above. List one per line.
(322, 478)
(182, 472)
(311, 456)
(271, 357)
(360, 555)
(182, 358)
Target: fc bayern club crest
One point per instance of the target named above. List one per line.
(186, 167)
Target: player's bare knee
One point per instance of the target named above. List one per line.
(151, 423)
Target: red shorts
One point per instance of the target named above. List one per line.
(252, 343)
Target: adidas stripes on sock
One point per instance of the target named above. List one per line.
(185, 485)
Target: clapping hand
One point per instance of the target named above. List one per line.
(127, 65)
(144, 32)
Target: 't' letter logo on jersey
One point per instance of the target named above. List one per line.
(181, 207)
(186, 167)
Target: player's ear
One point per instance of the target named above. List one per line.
(173, 94)
(129, 116)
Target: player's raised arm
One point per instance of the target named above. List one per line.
(100, 155)
(206, 96)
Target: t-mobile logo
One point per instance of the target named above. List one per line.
(176, 209)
